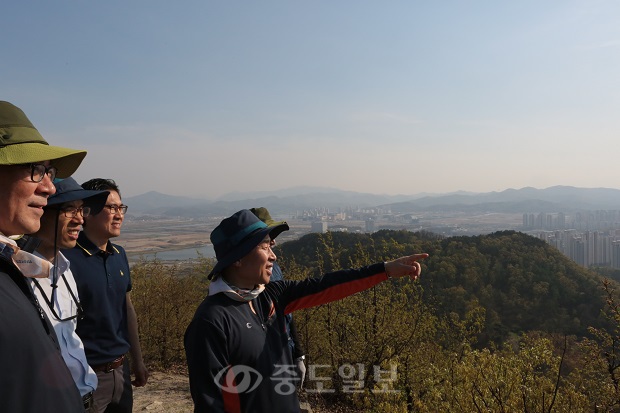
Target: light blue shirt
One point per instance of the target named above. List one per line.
(71, 345)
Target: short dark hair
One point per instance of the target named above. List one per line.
(101, 184)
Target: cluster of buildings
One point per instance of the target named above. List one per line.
(589, 248)
(590, 238)
(353, 219)
(581, 221)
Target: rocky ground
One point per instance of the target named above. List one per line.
(169, 392)
(165, 392)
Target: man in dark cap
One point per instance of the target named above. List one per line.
(294, 344)
(236, 344)
(58, 295)
(35, 378)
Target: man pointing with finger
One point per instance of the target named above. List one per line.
(236, 345)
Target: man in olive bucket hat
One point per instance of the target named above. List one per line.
(58, 295)
(35, 377)
(236, 344)
(297, 350)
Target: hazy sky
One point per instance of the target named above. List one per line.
(208, 97)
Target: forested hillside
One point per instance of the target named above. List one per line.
(521, 282)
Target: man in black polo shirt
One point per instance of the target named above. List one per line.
(109, 328)
(34, 375)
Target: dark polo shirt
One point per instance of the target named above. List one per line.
(103, 279)
(34, 375)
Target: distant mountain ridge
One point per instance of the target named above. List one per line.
(530, 200)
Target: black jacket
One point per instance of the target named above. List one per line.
(35, 377)
(227, 341)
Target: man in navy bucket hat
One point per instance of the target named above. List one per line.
(236, 345)
(58, 295)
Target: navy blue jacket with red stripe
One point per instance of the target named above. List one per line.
(239, 361)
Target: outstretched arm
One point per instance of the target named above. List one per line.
(295, 295)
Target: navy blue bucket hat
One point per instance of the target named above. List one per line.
(68, 190)
(237, 235)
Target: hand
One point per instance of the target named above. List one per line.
(301, 371)
(141, 374)
(405, 266)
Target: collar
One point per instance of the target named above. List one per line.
(89, 248)
(218, 286)
(62, 263)
(237, 294)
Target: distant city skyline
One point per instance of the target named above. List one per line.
(205, 98)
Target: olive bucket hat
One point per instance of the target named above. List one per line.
(263, 214)
(21, 143)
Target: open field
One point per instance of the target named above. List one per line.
(150, 236)
(177, 234)
(159, 235)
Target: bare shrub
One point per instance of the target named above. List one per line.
(165, 298)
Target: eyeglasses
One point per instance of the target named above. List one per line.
(38, 172)
(114, 209)
(72, 212)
